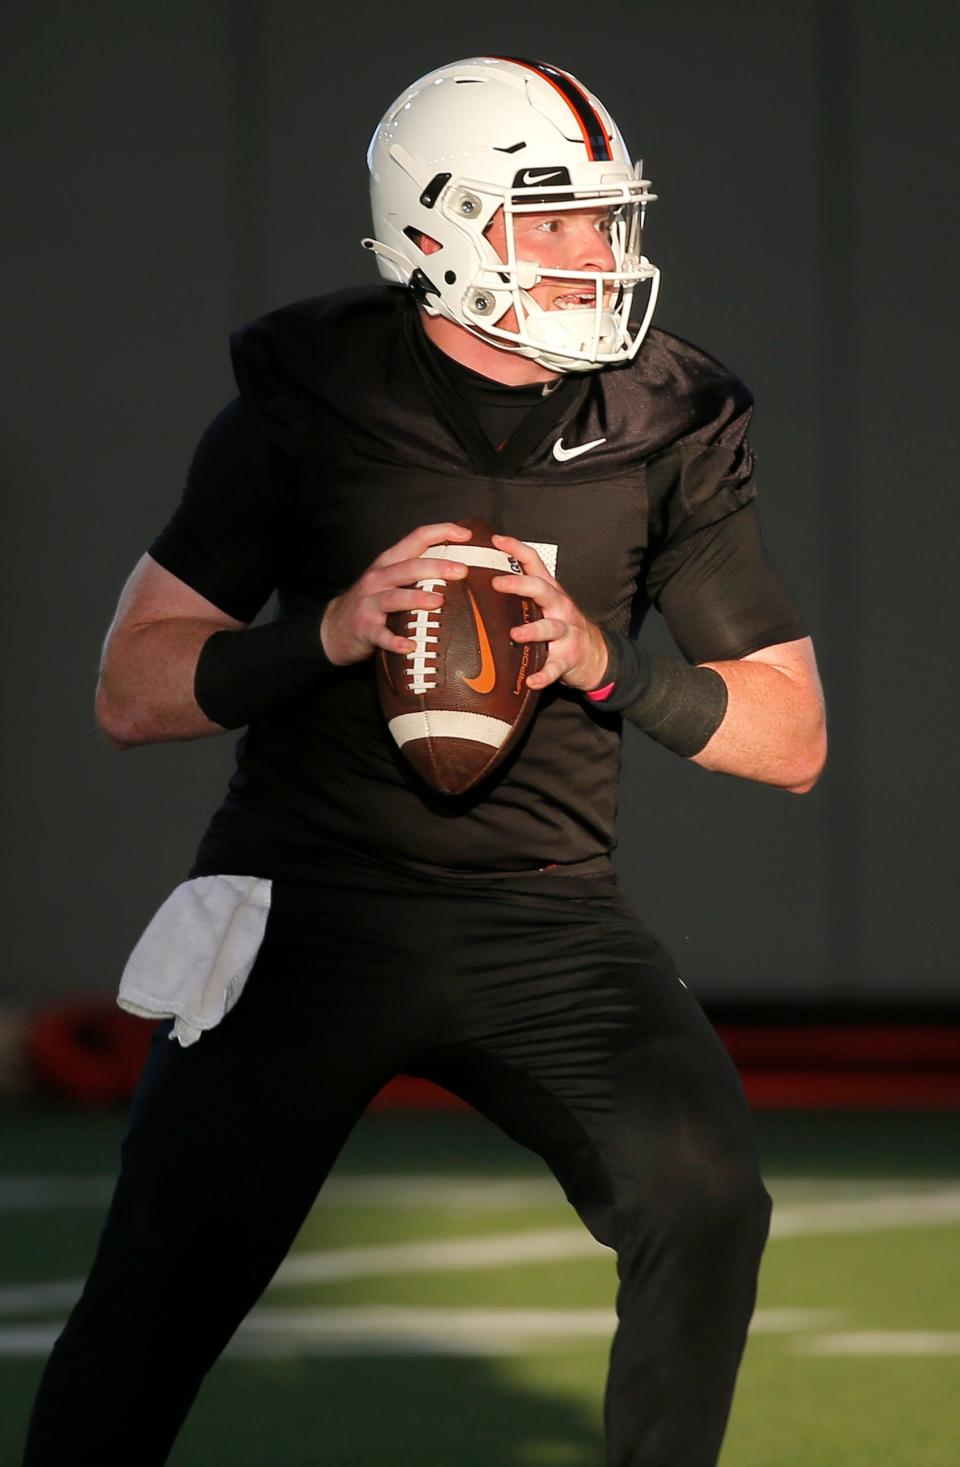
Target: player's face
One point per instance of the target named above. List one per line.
(568, 239)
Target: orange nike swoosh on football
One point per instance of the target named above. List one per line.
(486, 679)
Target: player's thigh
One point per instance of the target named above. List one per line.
(282, 1078)
(230, 1138)
(579, 1039)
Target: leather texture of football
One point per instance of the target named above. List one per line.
(459, 703)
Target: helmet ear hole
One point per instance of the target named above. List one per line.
(425, 243)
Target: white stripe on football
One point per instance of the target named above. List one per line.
(476, 728)
(482, 555)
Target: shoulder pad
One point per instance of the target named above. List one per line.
(675, 393)
(285, 362)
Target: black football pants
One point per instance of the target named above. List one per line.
(557, 1016)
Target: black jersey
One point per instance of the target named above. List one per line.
(347, 435)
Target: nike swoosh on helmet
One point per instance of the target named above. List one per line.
(546, 175)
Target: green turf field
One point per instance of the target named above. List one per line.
(444, 1307)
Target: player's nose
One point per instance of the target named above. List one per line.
(590, 247)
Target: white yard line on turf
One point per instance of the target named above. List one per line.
(868, 1214)
(371, 1329)
(499, 1250)
(550, 1245)
(26, 1194)
(546, 1245)
(398, 1331)
(30, 1298)
(367, 1319)
(442, 1191)
(882, 1342)
(28, 1341)
(461, 1193)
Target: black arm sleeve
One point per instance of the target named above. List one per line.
(724, 598)
(226, 538)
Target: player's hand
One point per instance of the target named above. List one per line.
(576, 650)
(355, 623)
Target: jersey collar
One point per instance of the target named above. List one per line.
(543, 418)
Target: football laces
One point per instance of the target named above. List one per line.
(422, 661)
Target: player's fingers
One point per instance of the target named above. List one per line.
(534, 586)
(408, 598)
(421, 539)
(384, 638)
(525, 554)
(550, 672)
(547, 629)
(407, 572)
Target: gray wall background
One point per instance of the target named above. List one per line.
(174, 168)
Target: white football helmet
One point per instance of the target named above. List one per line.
(495, 133)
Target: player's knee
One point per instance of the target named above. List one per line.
(700, 1204)
(728, 1197)
(743, 1204)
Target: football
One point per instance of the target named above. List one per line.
(458, 704)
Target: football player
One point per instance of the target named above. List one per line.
(341, 922)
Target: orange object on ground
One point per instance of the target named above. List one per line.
(87, 1050)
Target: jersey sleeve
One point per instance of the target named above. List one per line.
(705, 568)
(699, 480)
(725, 599)
(226, 538)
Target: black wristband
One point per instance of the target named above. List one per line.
(627, 675)
(242, 674)
(676, 705)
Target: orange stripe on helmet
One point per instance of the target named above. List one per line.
(594, 134)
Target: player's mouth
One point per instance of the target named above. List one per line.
(574, 300)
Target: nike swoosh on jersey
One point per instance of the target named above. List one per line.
(486, 678)
(561, 453)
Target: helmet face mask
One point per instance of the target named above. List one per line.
(489, 135)
(594, 334)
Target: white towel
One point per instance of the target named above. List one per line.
(195, 956)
